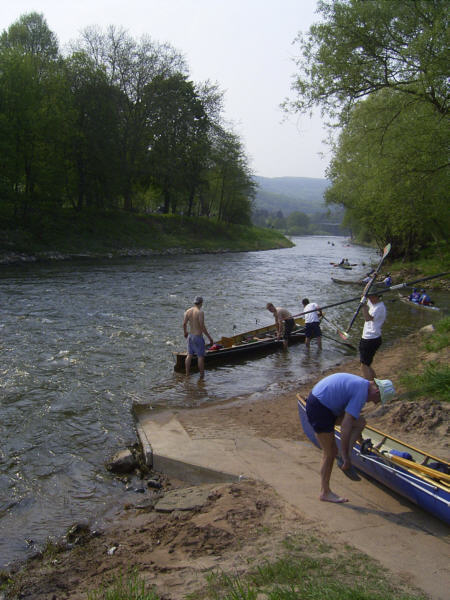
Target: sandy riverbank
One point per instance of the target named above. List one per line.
(234, 524)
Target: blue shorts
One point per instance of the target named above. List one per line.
(312, 330)
(322, 419)
(196, 345)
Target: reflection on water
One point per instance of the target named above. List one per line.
(81, 342)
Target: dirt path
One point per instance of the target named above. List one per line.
(227, 526)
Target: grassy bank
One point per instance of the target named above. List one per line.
(121, 233)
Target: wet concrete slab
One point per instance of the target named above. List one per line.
(204, 446)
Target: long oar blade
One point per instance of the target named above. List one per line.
(386, 251)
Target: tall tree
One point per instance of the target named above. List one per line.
(363, 46)
(379, 68)
(390, 171)
(131, 67)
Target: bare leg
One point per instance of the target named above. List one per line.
(201, 366)
(367, 372)
(319, 339)
(329, 449)
(188, 363)
(307, 342)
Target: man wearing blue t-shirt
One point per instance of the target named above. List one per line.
(338, 400)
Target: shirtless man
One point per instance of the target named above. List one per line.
(283, 321)
(196, 344)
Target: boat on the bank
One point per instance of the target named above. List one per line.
(406, 300)
(417, 475)
(256, 341)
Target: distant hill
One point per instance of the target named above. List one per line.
(290, 194)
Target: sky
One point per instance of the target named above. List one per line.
(246, 46)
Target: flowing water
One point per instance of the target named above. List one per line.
(80, 342)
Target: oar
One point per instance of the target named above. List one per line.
(338, 341)
(341, 333)
(397, 286)
(366, 291)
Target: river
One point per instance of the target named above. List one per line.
(81, 341)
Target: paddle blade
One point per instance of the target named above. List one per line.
(343, 334)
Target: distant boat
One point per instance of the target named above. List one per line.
(348, 281)
(406, 300)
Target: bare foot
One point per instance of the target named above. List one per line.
(332, 497)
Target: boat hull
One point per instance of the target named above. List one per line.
(409, 479)
(406, 300)
(257, 342)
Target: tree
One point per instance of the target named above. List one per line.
(362, 47)
(390, 171)
(31, 111)
(93, 148)
(131, 67)
(379, 67)
(178, 142)
(231, 183)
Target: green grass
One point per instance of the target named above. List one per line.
(430, 261)
(308, 569)
(434, 382)
(97, 232)
(441, 336)
(131, 587)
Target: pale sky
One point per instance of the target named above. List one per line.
(243, 45)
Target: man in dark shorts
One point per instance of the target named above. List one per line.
(339, 399)
(312, 322)
(284, 322)
(374, 313)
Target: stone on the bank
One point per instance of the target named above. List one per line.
(122, 462)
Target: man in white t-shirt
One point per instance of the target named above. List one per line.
(374, 313)
(312, 322)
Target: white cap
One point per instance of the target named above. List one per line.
(387, 391)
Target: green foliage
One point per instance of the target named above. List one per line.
(308, 570)
(378, 68)
(113, 125)
(434, 382)
(105, 232)
(389, 172)
(132, 587)
(360, 48)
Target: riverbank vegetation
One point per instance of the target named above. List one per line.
(114, 124)
(64, 233)
(378, 70)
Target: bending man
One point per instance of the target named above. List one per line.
(339, 399)
(284, 322)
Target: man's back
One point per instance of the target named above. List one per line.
(195, 317)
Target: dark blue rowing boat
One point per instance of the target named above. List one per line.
(421, 477)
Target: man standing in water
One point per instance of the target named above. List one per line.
(196, 344)
(283, 321)
(312, 322)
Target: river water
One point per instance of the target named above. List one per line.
(81, 341)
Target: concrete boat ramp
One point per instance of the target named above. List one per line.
(208, 445)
